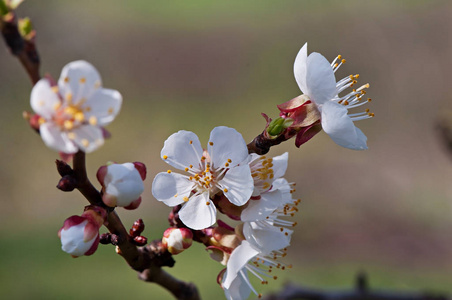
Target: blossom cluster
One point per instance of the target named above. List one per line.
(224, 177)
(249, 188)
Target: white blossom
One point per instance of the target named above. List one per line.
(316, 79)
(73, 112)
(211, 172)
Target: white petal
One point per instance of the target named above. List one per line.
(338, 125)
(79, 78)
(88, 138)
(124, 182)
(171, 188)
(226, 143)
(320, 80)
(239, 185)
(262, 208)
(56, 139)
(238, 260)
(197, 214)
(268, 239)
(104, 104)
(239, 288)
(72, 240)
(300, 68)
(43, 99)
(280, 165)
(182, 149)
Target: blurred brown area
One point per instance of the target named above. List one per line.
(199, 64)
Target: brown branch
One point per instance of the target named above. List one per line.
(360, 292)
(147, 261)
(24, 49)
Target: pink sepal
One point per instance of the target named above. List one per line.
(141, 168)
(220, 277)
(67, 158)
(72, 221)
(105, 133)
(50, 79)
(307, 133)
(101, 173)
(93, 246)
(290, 106)
(225, 225)
(91, 230)
(134, 204)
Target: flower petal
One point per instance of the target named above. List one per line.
(171, 188)
(260, 209)
(239, 288)
(182, 150)
(268, 239)
(226, 144)
(280, 165)
(43, 99)
(338, 125)
(300, 68)
(124, 182)
(104, 105)
(239, 185)
(199, 212)
(56, 139)
(88, 138)
(80, 79)
(238, 260)
(320, 80)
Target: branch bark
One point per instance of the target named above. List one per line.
(24, 49)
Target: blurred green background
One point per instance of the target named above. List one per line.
(195, 65)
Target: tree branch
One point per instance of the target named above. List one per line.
(24, 49)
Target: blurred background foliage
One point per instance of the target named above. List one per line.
(195, 65)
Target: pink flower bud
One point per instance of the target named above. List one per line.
(177, 240)
(122, 184)
(80, 234)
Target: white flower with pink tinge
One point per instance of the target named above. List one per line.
(213, 171)
(315, 77)
(73, 112)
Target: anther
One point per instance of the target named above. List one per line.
(82, 80)
(211, 143)
(185, 198)
(191, 142)
(169, 171)
(165, 157)
(225, 190)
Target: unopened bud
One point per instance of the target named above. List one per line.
(278, 125)
(67, 183)
(114, 239)
(140, 240)
(25, 28)
(137, 228)
(105, 238)
(3, 8)
(122, 184)
(63, 168)
(177, 240)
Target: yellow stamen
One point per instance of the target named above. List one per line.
(92, 120)
(68, 125)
